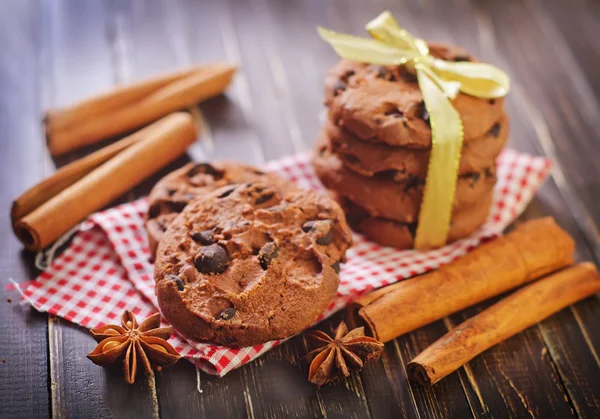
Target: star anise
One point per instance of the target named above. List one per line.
(347, 351)
(132, 344)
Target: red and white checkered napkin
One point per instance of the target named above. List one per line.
(105, 270)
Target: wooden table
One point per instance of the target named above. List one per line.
(55, 52)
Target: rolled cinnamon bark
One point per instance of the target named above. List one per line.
(60, 119)
(166, 140)
(69, 174)
(511, 315)
(132, 107)
(533, 249)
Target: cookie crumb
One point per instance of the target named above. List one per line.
(4, 360)
(8, 300)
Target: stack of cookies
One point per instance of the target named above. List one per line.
(243, 256)
(373, 151)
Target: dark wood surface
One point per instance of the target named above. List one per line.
(53, 53)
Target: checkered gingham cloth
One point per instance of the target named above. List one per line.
(105, 270)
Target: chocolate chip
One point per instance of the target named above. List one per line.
(326, 239)
(411, 183)
(307, 226)
(385, 73)
(338, 87)
(264, 197)
(348, 74)
(488, 172)
(258, 172)
(204, 168)
(474, 179)
(378, 121)
(227, 192)
(226, 314)
(171, 192)
(230, 340)
(495, 130)
(462, 58)
(351, 158)
(407, 76)
(492, 101)
(322, 226)
(336, 267)
(422, 113)
(211, 259)
(266, 255)
(205, 237)
(178, 281)
(162, 225)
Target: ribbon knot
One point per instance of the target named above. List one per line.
(440, 82)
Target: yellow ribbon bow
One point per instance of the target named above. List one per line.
(440, 81)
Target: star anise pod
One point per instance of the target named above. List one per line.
(347, 351)
(131, 344)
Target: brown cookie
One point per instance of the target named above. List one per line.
(369, 159)
(384, 103)
(401, 235)
(173, 192)
(248, 264)
(382, 196)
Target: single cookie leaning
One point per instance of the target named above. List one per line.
(173, 192)
(384, 103)
(382, 196)
(369, 159)
(248, 264)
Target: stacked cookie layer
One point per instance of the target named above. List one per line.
(373, 151)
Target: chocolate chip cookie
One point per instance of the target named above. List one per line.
(172, 193)
(384, 103)
(369, 159)
(401, 235)
(383, 197)
(249, 263)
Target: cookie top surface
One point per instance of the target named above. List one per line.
(369, 159)
(173, 192)
(384, 103)
(248, 263)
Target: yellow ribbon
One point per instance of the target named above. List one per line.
(440, 81)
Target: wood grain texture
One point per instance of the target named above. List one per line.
(23, 332)
(54, 53)
(549, 98)
(80, 64)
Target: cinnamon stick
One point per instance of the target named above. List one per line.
(511, 315)
(69, 174)
(165, 140)
(131, 107)
(533, 249)
(60, 119)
